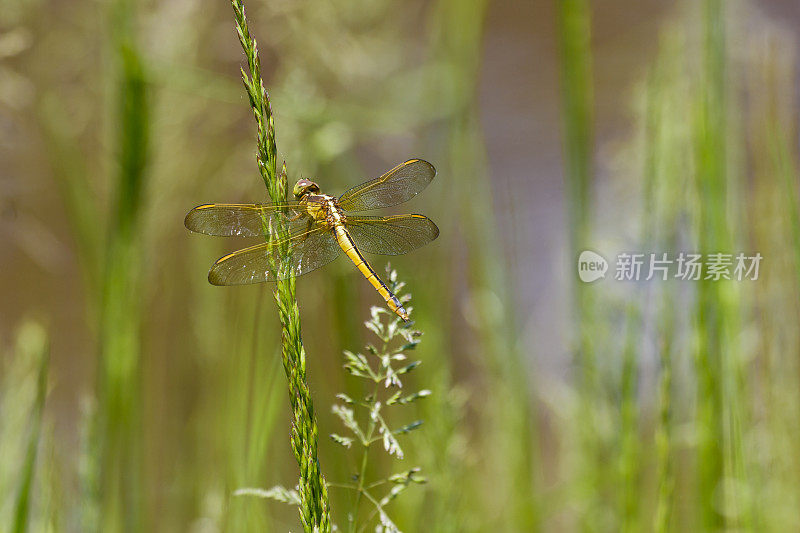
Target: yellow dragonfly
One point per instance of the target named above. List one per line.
(318, 229)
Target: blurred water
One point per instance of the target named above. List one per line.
(521, 116)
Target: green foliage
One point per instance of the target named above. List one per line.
(381, 370)
(24, 497)
(23, 391)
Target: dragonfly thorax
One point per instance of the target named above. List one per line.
(324, 209)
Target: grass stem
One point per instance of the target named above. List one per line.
(314, 509)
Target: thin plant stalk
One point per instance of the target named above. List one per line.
(119, 434)
(574, 33)
(22, 520)
(713, 312)
(314, 509)
(656, 162)
(721, 368)
(629, 417)
(382, 369)
(664, 432)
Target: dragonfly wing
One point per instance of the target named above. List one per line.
(246, 220)
(256, 264)
(394, 235)
(398, 185)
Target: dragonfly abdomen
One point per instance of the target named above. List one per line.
(351, 250)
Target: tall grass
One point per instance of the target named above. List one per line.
(660, 157)
(510, 432)
(23, 392)
(118, 430)
(716, 489)
(251, 417)
(717, 443)
(711, 215)
(314, 509)
(574, 37)
(110, 253)
(774, 430)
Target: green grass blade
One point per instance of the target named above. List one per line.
(24, 496)
(574, 34)
(119, 443)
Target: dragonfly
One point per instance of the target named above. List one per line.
(318, 227)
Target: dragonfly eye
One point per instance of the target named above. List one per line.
(304, 187)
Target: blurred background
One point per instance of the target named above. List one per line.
(131, 388)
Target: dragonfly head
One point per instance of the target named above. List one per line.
(304, 187)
